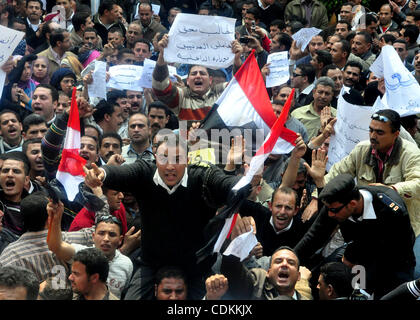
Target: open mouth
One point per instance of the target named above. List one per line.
(10, 184)
(283, 275)
(84, 156)
(37, 108)
(12, 130)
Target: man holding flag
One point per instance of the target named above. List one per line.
(178, 200)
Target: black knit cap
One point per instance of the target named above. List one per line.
(340, 189)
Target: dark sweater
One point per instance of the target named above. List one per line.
(172, 224)
(266, 235)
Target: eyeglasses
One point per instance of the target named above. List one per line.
(296, 75)
(336, 210)
(108, 218)
(379, 118)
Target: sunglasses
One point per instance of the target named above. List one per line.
(379, 118)
(108, 218)
(335, 210)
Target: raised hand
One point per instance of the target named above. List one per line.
(317, 169)
(94, 176)
(300, 148)
(216, 286)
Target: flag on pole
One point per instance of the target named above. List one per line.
(70, 171)
(241, 190)
(245, 104)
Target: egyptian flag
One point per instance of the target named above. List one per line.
(245, 104)
(70, 171)
(221, 225)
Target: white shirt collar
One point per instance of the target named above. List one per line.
(368, 210)
(294, 297)
(308, 89)
(282, 230)
(34, 27)
(158, 181)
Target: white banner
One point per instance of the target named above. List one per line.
(125, 77)
(98, 86)
(147, 74)
(202, 40)
(402, 91)
(352, 126)
(304, 36)
(279, 69)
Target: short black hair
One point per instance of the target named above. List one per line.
(412, 32)
(159, 105)
(94, 261)
(345, 46)
(79, 19)
(401, 41)
(308, 70)
(14, 277)
(285, 40)
(345, 22)
(170, 272)
(56, 36)
(39, 1)
(11, 111)
(388, 38)
(106, 5)
(371, 18)
(148, 43)
(111, 135)
(26, 144)
(54, 92)
(254, 11)
(90, 29)
(354, 64)
(34, 211)
(18, 156)
(116, 94)
(123, 51)
(116, 29)
(365, 35)
(278, 23)
(325, 70)
(102, 108)
(324, 57)
(394, 118)
(339, 276)
(31, 120)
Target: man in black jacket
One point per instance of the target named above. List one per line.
(375, 218)
(176, 201)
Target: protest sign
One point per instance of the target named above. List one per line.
(98, 87)
(202, 40)
(304, 36)
(125, 77)
(352, 126)
(147, 74)
(9, 40)
(402, 91)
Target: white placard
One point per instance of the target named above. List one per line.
(242, 245)
(402, 91)
(147, 74)
(155, 9)
(304, 36)
(202, 40)
(125, 77)
(352, 126)
(9, 40)
(279, 69)
(98, 87)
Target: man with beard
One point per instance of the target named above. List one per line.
(109, 144)
(158, 116)
(139, 134)
(11, 131)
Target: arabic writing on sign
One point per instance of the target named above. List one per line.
(125, 77)
(304, 36)
(204, 40)
(279, 69)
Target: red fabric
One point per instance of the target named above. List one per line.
(71, 162)
(86, 219)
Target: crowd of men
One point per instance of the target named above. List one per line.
(149, 200)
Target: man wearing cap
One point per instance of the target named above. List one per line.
(386, 159)
(373, 217)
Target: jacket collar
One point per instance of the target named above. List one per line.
(393, 159)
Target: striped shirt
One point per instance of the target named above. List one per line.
(31, 251)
